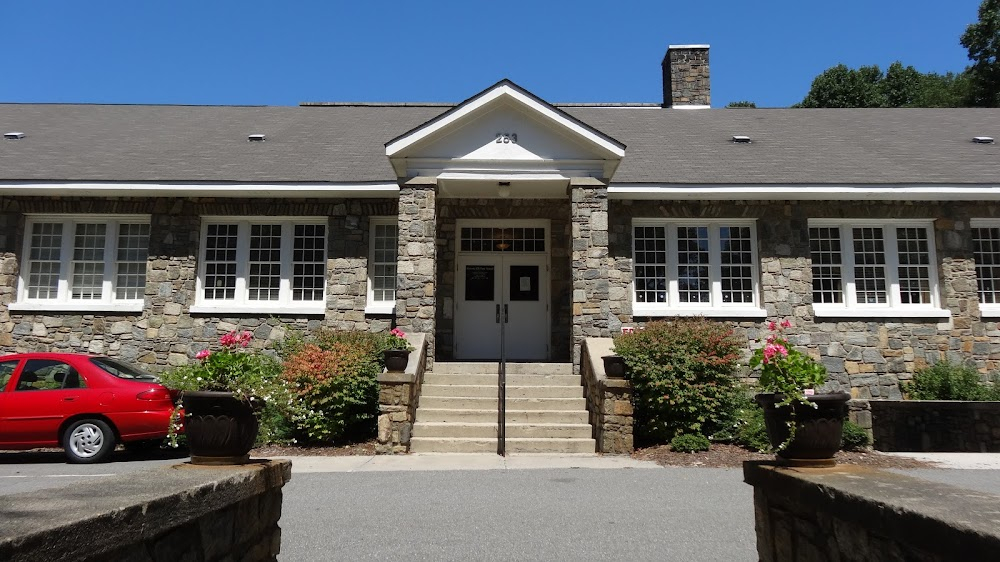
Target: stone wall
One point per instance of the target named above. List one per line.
(555, 211)
(866, 357)
(182, 512)
(686, 77)
(850, 513)
(609, 401)
(165, 332)
(936, 426)
(398, 398)
(416, 270)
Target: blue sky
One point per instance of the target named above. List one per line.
(282, 52)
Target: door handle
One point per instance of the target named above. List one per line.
(69, 398)
(498, 314)
(506, 319)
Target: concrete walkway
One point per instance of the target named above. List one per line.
(963, 461)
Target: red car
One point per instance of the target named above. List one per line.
(85, 404)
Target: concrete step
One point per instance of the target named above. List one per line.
(490, 403)
(487, 430)
(484, 391)
(513, 416)
(514, 445)
(492, 368)
(512, 379)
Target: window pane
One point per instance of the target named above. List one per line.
(869, 266)
(824, 248)
(692, 264)
(492, 239)
(309, 262)
(986, 250)
(914, 266)
(133, 249)
(737, 260)
(88, 261)
(264, 263)
(220, 261)
(383, 274)
(45, 256)
(650, 255)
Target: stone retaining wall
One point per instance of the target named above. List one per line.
(609, 401)
(398, 398)
(850, 513)
(936, 426)
(182, 512)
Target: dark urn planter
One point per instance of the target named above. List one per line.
(220, 428)
(614, 366)
(818, 431)
(396, 359)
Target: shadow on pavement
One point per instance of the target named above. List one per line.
(56, 456)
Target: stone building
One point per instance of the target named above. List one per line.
(143, 231)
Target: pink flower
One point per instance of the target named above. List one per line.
(772, 349)
(398, 333)
(772, 326)
(244, 338)
(203, 354)
(228, 339)
(786, 323)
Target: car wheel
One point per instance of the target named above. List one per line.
(88, 441)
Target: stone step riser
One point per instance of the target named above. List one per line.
(512, 368)
(452, 445)
(489, 431)
(484, 391)
(513, 416)
(512, 380)
(486, 403)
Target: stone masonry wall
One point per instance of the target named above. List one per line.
(936, 426)
(165, 333)
(556, 211)
(416, 271)
(867, 357)
(686, 77)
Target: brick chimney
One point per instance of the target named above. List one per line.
(685, 76)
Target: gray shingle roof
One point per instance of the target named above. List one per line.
(344, 143)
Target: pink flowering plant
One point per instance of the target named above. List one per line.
(785, 370)
(396, 339)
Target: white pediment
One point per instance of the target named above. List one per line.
(505, 132)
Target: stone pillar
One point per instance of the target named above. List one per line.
(591, 262)
(417, 262)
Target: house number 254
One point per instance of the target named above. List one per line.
(506, 138)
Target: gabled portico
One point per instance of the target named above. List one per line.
(503, 200)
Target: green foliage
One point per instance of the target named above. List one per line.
(945, 380)
(334, 378)
(784, 369)
(982, 40)
(690, 443)
(683, 377)
(751, 431)
(899, 86)
(855, 437)
(742, 104)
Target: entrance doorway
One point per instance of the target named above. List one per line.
(502, 275)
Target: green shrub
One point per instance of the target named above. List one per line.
(683, 376)
(334, 379)
(855, 437)
(690, 443)
(751, 431)
(945, 380)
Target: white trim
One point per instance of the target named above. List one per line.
(125, 306)
(705, 46)
(502, 91)
(984, 223)
(373, 306)
(645, 309)
(690, 106)
(277, 310)
(989, 310)
(161, 189)
(811, 192)
(903, 311)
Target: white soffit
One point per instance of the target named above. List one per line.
(146, 189)
(506, 90)
(806, 192)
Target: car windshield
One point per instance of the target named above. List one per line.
(122, 370)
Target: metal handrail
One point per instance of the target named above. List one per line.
(502, 385)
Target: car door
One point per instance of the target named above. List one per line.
(7, 369)
(39, 403)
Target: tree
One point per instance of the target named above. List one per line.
(982, 39)
(840, 86)
(900, 86)
(743, 103)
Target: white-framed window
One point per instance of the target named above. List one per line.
(383, 242)
(84, 263)
(872, 268)
(695, 267)
(262, 264)
(986, 252)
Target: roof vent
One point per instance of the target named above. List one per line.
(982, 140)
(257, 137)
(742, 139)
(13, 135)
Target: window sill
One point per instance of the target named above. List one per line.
(129, 307)
(381, 308)
(642, 309)
(989, 310)
(314, 310)
(836, 311)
